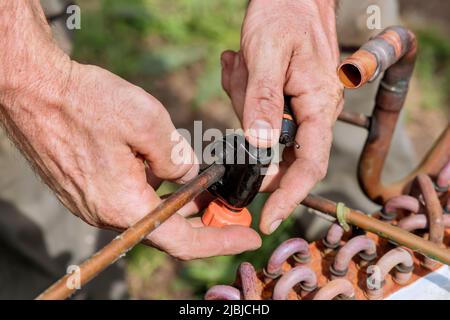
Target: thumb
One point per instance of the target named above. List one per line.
(155, 138)
(263, 108)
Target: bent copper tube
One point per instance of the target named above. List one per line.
(434, 213)
(393, 52)
(443, 185)
(222, 292)
(383, 229)
(296, 247)
(363, 245)
(249, 281)
(300, 274)
(419, 221)
(403, 202)
(434, 209)
(339, 288)
(334, 236)
(397, 258)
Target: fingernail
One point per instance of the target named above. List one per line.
(261, 130)
(274, 226)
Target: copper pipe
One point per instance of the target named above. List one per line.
(394, 45)
(443, 186)
(419, 221)
(393, 51)
(221, 292)
(356, 119)
(434, 209)
(362, 245)
(383, 229)
(434, 213)
(249, 281)
(135, 234)
(403, 202)
(299, 275)
(399, 258)
(339, 288)
(334, 236)
(296, 247)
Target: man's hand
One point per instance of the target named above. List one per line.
(288, 47)
(102, 144)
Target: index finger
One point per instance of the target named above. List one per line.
(311, 160)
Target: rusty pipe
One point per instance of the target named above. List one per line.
(222, 292)
(434, 213)
(299, 275)
(403, 202)
(419, 221)
(397, 258)
(296, 247)
(443, 185)
(362, 245)
(135, 234)
(434, 209)
(249, 281)
(393, 52)
(334, 236)
(339, 288)
(394, 47)
(356, 119)
(383, 229)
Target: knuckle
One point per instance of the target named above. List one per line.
(266, 99)
(265, 91)
(336, 95)
(154, 111)
(287, 207)
(318, 170)
(151, 110)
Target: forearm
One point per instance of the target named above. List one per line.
(30, 61)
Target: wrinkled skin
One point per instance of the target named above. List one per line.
(100, 143)
(103, 145)
(287, 48)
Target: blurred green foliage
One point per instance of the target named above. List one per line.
(433, 68)
(142, 38)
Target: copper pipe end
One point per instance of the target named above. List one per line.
(358, 69)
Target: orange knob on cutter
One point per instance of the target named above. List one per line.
(219, 215)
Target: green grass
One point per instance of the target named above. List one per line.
(148, 38)
(433, 68)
